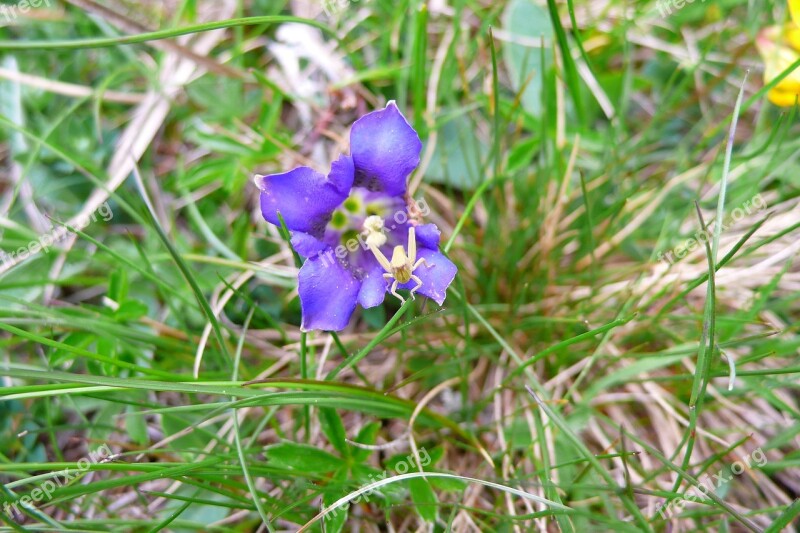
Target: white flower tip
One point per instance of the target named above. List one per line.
(373, 223)
(376, 239)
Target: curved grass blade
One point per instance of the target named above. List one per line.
(413, 475)
(105, 42)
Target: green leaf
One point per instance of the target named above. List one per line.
(375, 317)
(424, 499)
(173, 425)
(118, 285)
(334, 521)
(220, 143)
(527, 24)
(136, 426)
(209, 171)
(130, 310)
(333, 428)
(302, 457)
(198, 513)
(457, 159)
(78, 339)
(367, 435)
(449, 484)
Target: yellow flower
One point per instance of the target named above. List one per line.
(779, 48)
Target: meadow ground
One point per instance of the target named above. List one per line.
(619, 349)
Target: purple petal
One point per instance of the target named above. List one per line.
(436, 277)
(328, 294)
(307, 245)
(304, 197)
(385, 149)
(342, 174)
(427, 236)
(373, 286)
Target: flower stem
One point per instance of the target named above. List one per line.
(383, 333)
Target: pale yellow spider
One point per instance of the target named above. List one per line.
(401, 268)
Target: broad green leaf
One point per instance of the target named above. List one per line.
(334, 521)
(367, 435)
(118, 285)
(136, 426)
(173, 425)
(457, 159)
(527, 24)
(333, 428)
(77, 339)
(130, 310)
(424, 498)
(448, 484)
(302, 457)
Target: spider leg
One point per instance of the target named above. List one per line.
(394, 291)
(387, 266)
(418, 285)
(412, 245)
(421, 261)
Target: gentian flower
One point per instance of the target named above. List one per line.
(347, 224)
(779, 47)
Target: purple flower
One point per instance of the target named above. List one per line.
(353, 226)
